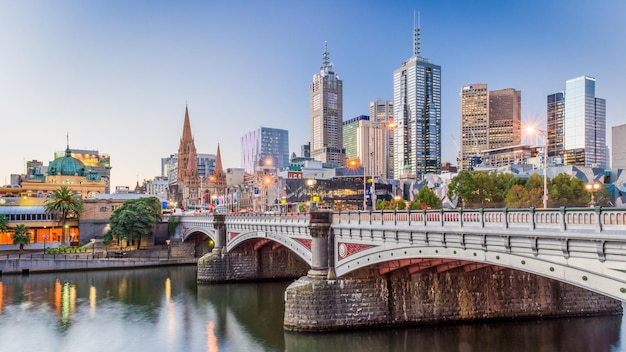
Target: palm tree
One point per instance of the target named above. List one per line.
(21, 236)
(64, 203)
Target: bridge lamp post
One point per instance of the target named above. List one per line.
(310, 184)
(544, 133)
(167, 242)
(93, 248)
(592, 188)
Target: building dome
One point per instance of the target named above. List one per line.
(67, 166)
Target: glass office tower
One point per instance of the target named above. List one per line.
(417, 116)
(584, 125)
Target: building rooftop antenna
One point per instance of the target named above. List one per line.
(326, 64)
(416, 35)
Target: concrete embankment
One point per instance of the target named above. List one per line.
(58, 263)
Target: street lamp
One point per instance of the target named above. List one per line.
(167, 242)
(45, 237)
(592, 188)
(545, 163)
(310, 183)
(93, 248)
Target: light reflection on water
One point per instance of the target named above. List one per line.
(165, 310)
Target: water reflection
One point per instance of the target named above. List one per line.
(165, 310)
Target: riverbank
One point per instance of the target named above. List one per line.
(36, 261)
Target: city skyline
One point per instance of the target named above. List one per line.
(116, 76)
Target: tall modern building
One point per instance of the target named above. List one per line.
(554, 125)
(474, 123)
(265, 146)
(326, 99)
(489, 120)
(417, 116)
(382, 111)
(584, 126)
(353, 135)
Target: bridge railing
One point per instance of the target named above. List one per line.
(559, 219)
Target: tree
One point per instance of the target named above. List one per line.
(64, 204)
(566, 190)
(21, 235)
(463, 187)
(4, 223)
(429, 198)
(517, 197)
(134, 219)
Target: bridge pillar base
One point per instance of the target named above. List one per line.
(368, 300)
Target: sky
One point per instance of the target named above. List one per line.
(115, 75)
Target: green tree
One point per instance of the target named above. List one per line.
(566, 190)
(463, 187)
(517, 197)
(21, 235)
(429, 198)
(63, 204)
(4, 223)
(603, 197)
(134, 219)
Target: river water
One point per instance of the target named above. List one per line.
(163, 309)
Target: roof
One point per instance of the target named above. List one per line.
(29, 209)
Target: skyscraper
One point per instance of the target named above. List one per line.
(417, 116)
(489, 120)
(474, 123)
(584, 126)
(382, 111)
(554, 124)
(326, 98)
(265, 145)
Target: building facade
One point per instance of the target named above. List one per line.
(265, 146)
(584, 126)
(618, 147)
(326, 111)
(474, 123)
(382, 111)
(554, 125)
(417, 116)
(93, 160)
(489, 120)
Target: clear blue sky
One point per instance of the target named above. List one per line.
(116, 74)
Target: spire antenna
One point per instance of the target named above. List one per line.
(416, 35)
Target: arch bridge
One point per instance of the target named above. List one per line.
(585, 247)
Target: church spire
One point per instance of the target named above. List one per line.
(187, 136)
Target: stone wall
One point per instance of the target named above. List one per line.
(365, 299)
(245, 263)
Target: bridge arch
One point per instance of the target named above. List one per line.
(298, 247)
(198, 229)
(598, 277)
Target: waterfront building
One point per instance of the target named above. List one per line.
(382, 111)
(417, 116)
(618, 148)
(326, 104)
(187, 192)
(584, 125)
(490, 120)
(265, 146)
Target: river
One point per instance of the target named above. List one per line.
(163, 309)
